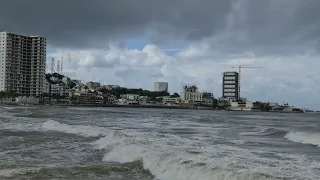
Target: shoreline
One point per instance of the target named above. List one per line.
(193, 107)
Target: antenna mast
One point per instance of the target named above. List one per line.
(58, 66)
(61, 66)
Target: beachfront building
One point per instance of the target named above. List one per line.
(241, 106)
(22, 63)
(130, 96)
(161, 86)
(191, 94)
(171, 100)
(60, 89)
(231, 86)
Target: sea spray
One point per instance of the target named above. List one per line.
(304, 138)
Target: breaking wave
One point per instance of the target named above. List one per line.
(271, 132)
(86, 131)
(304, 138)
(184, 162)
(170, 157)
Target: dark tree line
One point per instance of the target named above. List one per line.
(122, 90)
(4, 94)
(262, 106)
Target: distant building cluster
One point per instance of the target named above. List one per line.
(23, 73)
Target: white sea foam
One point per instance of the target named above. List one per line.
(10, 108)
(87, 131)
(19, 171)
(304, 138)
(205, 162)
(172, 157)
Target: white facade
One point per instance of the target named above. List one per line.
(241, 106)
(27, 100)
(23, 62)
(170, 100)
(161, 86)
(3, 52)
(191, 96)
(56, 89)
(130, 96)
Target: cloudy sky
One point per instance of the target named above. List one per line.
(136, 42)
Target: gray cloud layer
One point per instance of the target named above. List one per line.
(259, 26)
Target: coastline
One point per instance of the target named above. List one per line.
(193, 107)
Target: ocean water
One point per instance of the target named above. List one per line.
(157, 144)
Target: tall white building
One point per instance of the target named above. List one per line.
(161, 86)
(22, 63)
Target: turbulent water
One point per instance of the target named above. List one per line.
(157, 144)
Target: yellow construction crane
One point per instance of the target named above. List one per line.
(240, 67)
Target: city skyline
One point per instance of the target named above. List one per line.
(166, 48)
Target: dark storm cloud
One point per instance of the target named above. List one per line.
(84, 23)
(237, 25)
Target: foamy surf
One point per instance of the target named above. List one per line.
(146, 148)
(167, 161)
(20, 171)
(206, 162)
(169, 164)
(304, 138)
(86, 131)
(10, 108)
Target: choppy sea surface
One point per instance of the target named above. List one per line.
(157, 144)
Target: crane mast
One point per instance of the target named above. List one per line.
(239, 70)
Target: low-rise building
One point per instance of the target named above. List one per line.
(27, 100)
(89, 98)
(207, 98)
(241, 106)
(60, 89)
(171, 100)
(130, 96)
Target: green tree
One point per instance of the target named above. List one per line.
(9, 94)
(121, 90)
(174, 95)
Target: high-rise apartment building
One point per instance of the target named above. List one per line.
(22, 63)
(160, 86)
(230, 85)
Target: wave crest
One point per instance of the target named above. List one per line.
(304, 138)
(86, 131)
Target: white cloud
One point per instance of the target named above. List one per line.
(291, 79)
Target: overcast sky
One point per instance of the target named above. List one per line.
(136, 42)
